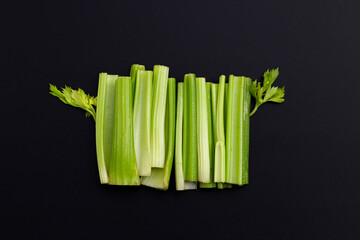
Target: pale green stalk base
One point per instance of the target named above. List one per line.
(219, 175)
(123, 167)
(160, 83)
(160, 176)
(142, 126)
(104, 123)
(237, 131)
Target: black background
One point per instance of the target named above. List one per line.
(304, 153)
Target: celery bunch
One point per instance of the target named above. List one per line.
(141, 126)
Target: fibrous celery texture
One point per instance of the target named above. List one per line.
(202, 132)
(142, 126)
(219, 175)
(211, 184)
(190, 165)
(160, 82)
(123, 167)
(104, 123)
(181, 184)
(237, 130)
(160, 177)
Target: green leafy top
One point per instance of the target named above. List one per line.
(76, 98)
(267, 93)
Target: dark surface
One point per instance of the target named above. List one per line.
(304, 154)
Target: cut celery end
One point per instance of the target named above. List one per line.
(237, 131)
(190, 164)
(160, 82)
(160, 177)
(142, 127)
(202, 132)
(123, 167)
(134, 74)
(220, 160)
(104, 123)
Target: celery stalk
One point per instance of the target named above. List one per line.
(181, 184)
(219, 175)
(202, 132)
(225, 185)
(123, 167)
(104, 123)
(190, 164)
(237, 131)
(133, 74)
(158, 108)
(160, 176)
(142, 116)
(212, 184)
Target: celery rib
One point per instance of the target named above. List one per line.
(237, 130)
(202, 132)
(211, 184)
(160, 82)
(123, 167)
(142, 115)
(104, 123)
(181, 184)
(219, 175)
(160, 176)
(190, 164)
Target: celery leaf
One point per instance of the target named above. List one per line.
(76, 98)
(266, 92)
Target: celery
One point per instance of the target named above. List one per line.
(181, 184)
(123, 167)
(142, 114)
(133, 74)
(267, 93)
(202, 132)
(219, 175)
(160, 176)
(237, 131)
(104, 123)
(190, 165)
(160, 83)
(223, 185)
(212, 184)
(76, 98)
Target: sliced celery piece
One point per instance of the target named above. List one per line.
(181, 184)
(123, 167)
(190, 164)
(104, 123)
(219, 175)
(160, 176)
(133, 74)
(237, 130)
(142, 116)
(160, 82)
(212, 184)
(202, 132)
